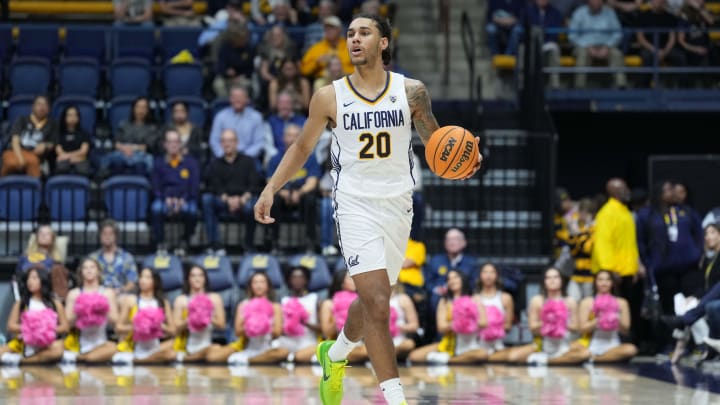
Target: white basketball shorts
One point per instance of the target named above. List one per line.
(373, 232)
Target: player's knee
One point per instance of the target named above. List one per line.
(377, 306)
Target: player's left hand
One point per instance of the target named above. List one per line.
(262, 207)
(479, 162)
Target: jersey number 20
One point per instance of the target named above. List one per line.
(381, 141)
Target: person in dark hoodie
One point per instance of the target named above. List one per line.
(175, 183)
(670, 241)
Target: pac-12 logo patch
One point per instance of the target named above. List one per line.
(353, 261)
(393, 99)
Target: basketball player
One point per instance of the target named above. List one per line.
(370, 112)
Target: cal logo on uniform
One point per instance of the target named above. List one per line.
(184, 173)
(442, 270)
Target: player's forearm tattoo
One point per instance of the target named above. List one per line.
(423, 118)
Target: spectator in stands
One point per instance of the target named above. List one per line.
(333, 72)
(178, 13)
(279, 121)
(176, 183)
(670, 243)
(541, 13)
(119, 270)
(235, 60)
(627, 10)
(371, 7)
(314, 32)
(712, 217)
(191, 136)
(694, 38)
(232, 183)
(411, 276)
(504, 25)
(275, 48)
(315, 61)
(290, 82)
(616, 248)
(300, 193)
(595, 32)
(44, 251)
(133, 12)
(131, 142)
(580, 243)
(566, 7)
(31, 139)
(232, 14)
(73, 145)
(416, 228)
(244, 120)
(661, 45)
(282, 14)
(454, 258)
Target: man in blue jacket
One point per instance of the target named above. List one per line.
(175, 183)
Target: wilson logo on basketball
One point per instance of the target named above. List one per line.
(467, 154)
(448, 148)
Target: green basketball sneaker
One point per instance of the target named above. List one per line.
(331, 382)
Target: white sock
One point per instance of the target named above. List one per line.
(11, 359)
(393, 391)
(438, 358)
(342, 347)
(238, 358)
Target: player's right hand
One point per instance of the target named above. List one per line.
(262, 207)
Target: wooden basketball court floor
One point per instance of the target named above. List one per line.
(203, 385)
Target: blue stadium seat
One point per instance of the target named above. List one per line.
(19, 197)
(169, 267)
(217, 105)
(6, 42)
(260, 262)
(19, 106)
(219, 270)
(320, 277)
(86, 42)
(126, 197)
(340, 265)
(133, 42)
(175, 39)
(79, 77)
(29, 75)
(40, 41)
(67, 196)
(183, 79)
(130, 77)
(119, 110)
(197, 113)
(86, 107)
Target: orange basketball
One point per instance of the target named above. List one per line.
(451, 152)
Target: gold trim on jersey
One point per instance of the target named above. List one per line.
(365, 99)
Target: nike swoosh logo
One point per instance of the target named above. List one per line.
(347, 104)
(325, 377)
(409, 210)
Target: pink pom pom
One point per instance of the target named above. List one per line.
(554, 316)
(341, 306)
(394, 328)
(91, 310)
(147, 324)
(294, 317)
(464, 315)
(258, 317)
(495, 328)
(607, 312)
(38, 327)
(200, 310)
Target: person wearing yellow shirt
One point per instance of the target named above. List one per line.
(615, 247)
(411, 273)
(317, 58)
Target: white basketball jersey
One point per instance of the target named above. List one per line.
(371, 152)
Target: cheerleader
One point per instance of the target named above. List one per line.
(403, 321)
(196, 313)
(498, 311)
(36, 320)
(90, 309)
(602, 319)
(459, 317)
(300, 318)
(258, 320)
(552, 317)
(144, 319)
(334, 312)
